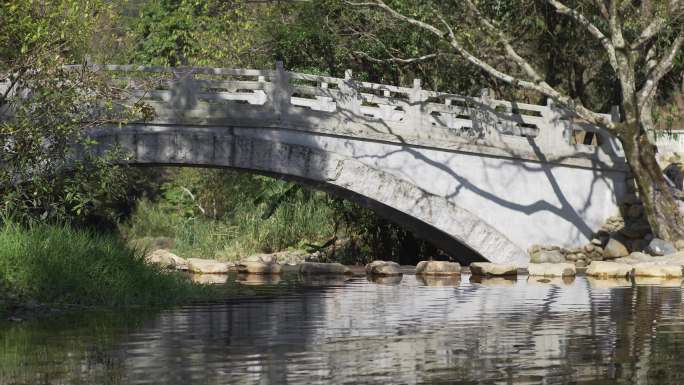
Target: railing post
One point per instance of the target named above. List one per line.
(483, 118)
(351, 100)
(557, 132)
(415, 111)
(183, 91)
(280, 93)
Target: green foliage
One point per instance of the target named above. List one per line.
(226, 215)
(185, 32)
(47, 109)
(60, 265)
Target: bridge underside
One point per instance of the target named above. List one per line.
(440, 195)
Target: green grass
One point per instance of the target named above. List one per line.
(245, 231)
(61, 265)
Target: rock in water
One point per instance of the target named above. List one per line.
(609, 269)
(634, 258)
(493, 269)
(166, 259)
(207, 266)
(657, 270)
(258, 267)
(659, 247)
(318, 268)
(438, 268)
(383, 268)
(551, 269)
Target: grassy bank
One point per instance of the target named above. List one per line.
(59, 265)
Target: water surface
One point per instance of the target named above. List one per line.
(408, 331)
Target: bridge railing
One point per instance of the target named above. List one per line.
(345, 106)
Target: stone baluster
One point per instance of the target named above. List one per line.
(350, 99)
(416, 110)
(183, 92)
(484, 119)
(556, 133)
(280, 91)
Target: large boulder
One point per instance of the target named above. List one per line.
(551, 269)
(493, 269)
(438, 268)
(319, 268)
(657, 270)
(207, 266)
(615, 248)
(383, 268)
(603, 269)
(166, 259)
(660, 247)
(258, 267)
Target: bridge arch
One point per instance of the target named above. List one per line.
(494, 175)
(434, 218)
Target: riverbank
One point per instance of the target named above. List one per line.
(46, 268)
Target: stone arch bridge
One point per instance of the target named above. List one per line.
(495, 176)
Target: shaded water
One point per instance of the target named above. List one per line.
(407, 332)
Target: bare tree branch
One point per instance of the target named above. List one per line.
(506, 41)
(659, 70)
(541, 87)
(675, 14)
(398, 59)
(593, 30)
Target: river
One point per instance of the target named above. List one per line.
(410, 331)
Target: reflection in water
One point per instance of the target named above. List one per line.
(608, 283)
(385, 279)
(323, 280)
(438, 280)
(658, 281)
(493, 281)
(517, 332)
(209, 279)
(550, 280)
(258, 279)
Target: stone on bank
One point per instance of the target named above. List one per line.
(551, 269)
(258, 267)
(493, 269)
(603, 269)
(207, 266)
(657, 270)
(383, 268)
(438, 268)
(319, 268)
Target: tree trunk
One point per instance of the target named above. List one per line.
(660, 202)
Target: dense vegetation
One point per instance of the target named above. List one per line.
(223, 214)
